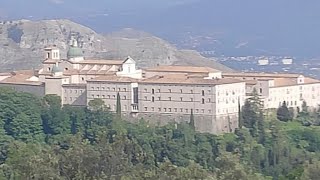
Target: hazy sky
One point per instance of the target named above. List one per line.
(291, 25)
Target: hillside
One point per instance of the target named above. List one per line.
(23, 41)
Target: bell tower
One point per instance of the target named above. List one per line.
(52, 53)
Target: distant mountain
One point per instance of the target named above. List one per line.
(246, 27)
(23, 41)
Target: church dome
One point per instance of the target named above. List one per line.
(56, 69)
(74, 52)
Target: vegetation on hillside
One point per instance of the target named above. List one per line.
(40, 139)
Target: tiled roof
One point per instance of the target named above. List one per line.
(278, 82)
(112, 78)
(20, 78)
(185, 79)
(261, 75)
(281, 82)
(50, 61)
(183, 69)
(102, 62)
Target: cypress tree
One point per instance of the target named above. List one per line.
(283, 113)
(240, 119)
(118, 110)
(261, 129)
(191, 123)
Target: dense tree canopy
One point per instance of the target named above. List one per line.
(40, 139)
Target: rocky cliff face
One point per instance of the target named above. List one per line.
(22, 44)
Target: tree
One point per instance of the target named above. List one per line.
(261, 129)
(240, 119)
(192, 123)
(256, 100)
(55, 121)
(118, 111)
(249, 117)
(96, 104)
(283, 113)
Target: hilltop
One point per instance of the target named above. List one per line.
(23, 42)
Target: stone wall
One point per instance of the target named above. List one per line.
(203, 123)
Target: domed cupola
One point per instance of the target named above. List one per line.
(75, 53)
(56, 70)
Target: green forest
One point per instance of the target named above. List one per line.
(40, 139)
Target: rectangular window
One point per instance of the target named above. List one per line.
(191, 99)
(135, 95)
(175, 110)
(202, 110)
(145, 98)
(159, 90)
(169, 90)
(169, 98)
(124, 89)
(165, 109)
(187, 110)
(170, 110)
(146, 108)
(124, 97)
(181, 109)
(152, 108)
(159, 109)
(159, 98)
(181, 99)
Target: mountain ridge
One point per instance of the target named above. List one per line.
(23, 42)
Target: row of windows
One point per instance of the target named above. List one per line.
(108, 96)
(228, 110)
(227, 101)
(227, 93)
(109, 89)
(181, 110)
(289, 104)
(153, 91)
(73, 91)
(180, 99)
(70, 99)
